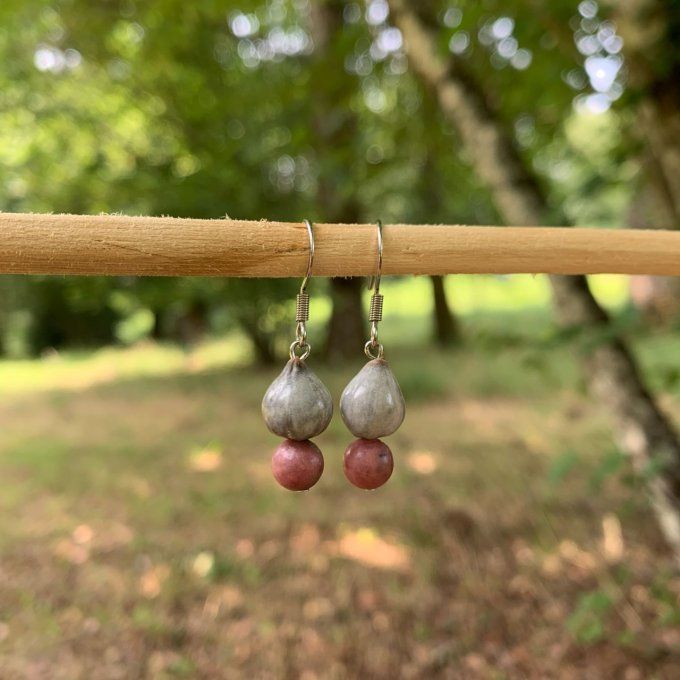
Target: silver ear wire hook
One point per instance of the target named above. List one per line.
(302, 305)
(374, 281)
(373, 349)
(310, 262)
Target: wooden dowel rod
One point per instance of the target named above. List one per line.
(164, 246)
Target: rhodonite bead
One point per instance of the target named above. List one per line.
(297, 405)
(368, 463)
(297, 465)
(372, 404)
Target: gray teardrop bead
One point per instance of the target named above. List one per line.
(372, 405)
(297, 405)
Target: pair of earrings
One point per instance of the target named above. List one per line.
(298, 406)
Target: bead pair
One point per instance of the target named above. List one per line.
(298, 406)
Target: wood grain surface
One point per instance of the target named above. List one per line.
(164, 246)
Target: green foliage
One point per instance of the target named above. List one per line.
(666, 598)
(244, 108)
(609, 466)
(562, 465)
(587, 623)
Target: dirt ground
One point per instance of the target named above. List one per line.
(141, 534)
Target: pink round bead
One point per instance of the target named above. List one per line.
(297, 465)
(368, 463)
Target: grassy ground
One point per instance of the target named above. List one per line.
(141, 535)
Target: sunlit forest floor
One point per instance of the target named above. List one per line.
(142, 536)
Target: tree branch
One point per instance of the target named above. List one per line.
(642, 430)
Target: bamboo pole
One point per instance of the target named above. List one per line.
(164, 246)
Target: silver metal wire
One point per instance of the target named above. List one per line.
(305, 348)
(302, 306)
(373, 349)
(376, 308)
(310, 262)
(374, 281)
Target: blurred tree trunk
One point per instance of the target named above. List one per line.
(335, 130)
(346, 331)
(446, 330)
(445, 327)
(657, 297)
(642, 430)
(649, 29)
(263, 343)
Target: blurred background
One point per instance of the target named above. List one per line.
(141, 533)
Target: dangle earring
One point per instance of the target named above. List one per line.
(372, 404)
(297, 405)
